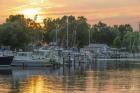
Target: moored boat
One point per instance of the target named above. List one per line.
(6, 60)
(6, 57)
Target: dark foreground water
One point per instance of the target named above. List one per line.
(98, 77)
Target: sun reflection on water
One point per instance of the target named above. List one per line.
(33, 85)
(40, 84)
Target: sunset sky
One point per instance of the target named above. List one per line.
(109, 11)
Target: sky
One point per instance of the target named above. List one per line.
(109, 11)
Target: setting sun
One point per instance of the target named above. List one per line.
(30, 12)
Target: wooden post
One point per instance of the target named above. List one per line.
(23, 65)
(79, 59)
(63, 61)
(74, 60)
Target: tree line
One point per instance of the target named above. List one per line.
(21, 33)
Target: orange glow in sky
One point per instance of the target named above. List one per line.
(109, 11)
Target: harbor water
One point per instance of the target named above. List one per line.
(96, 77)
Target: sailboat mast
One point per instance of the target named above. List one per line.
(56, 33)
(89, 37)
(139, 38)
(67, 31)
(139, 26)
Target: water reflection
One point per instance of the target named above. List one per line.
(5, 75)
(97, 77)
